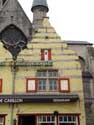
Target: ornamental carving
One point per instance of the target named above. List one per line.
(13, 40)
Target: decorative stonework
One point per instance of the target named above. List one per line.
(13, 39)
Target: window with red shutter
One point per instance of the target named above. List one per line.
(46, 54)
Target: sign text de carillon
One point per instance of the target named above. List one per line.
(30, 100)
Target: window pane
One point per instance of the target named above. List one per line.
(52, 73)
(68, 120)
(41, 74)
(74, 118)
(46, 120)
(60, 118)
(53, 84)
(65, 118)
(41, 84)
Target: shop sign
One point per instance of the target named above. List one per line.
(36, 100)
(12, 100)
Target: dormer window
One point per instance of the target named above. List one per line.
(46, 54)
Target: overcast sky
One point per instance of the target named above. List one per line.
(72, 19)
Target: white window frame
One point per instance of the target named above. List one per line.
(53, 76)
(44, 119)
(75, 122)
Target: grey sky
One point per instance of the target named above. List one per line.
(72, 19)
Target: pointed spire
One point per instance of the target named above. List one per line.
(37, 3)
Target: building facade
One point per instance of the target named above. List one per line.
(85, 51)
(41, 77)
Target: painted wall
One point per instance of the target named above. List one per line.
(64, 60)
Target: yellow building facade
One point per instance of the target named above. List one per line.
(44, 85)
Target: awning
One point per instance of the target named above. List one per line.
(58, 98)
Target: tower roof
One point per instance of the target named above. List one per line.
(37, 3)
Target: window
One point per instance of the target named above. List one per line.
(64, 85)
(58, 120)
(46, 120)
(2, 119)
(41, 84)
(53, 84)
(41, 73)
(31, 85)
(46, 54)
(0, 85)
(47, 80)
(68, 120)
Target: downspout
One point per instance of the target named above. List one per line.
(13, 71)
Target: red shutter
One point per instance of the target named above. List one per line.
(49, 54)
(42, 54)
(0, 85)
